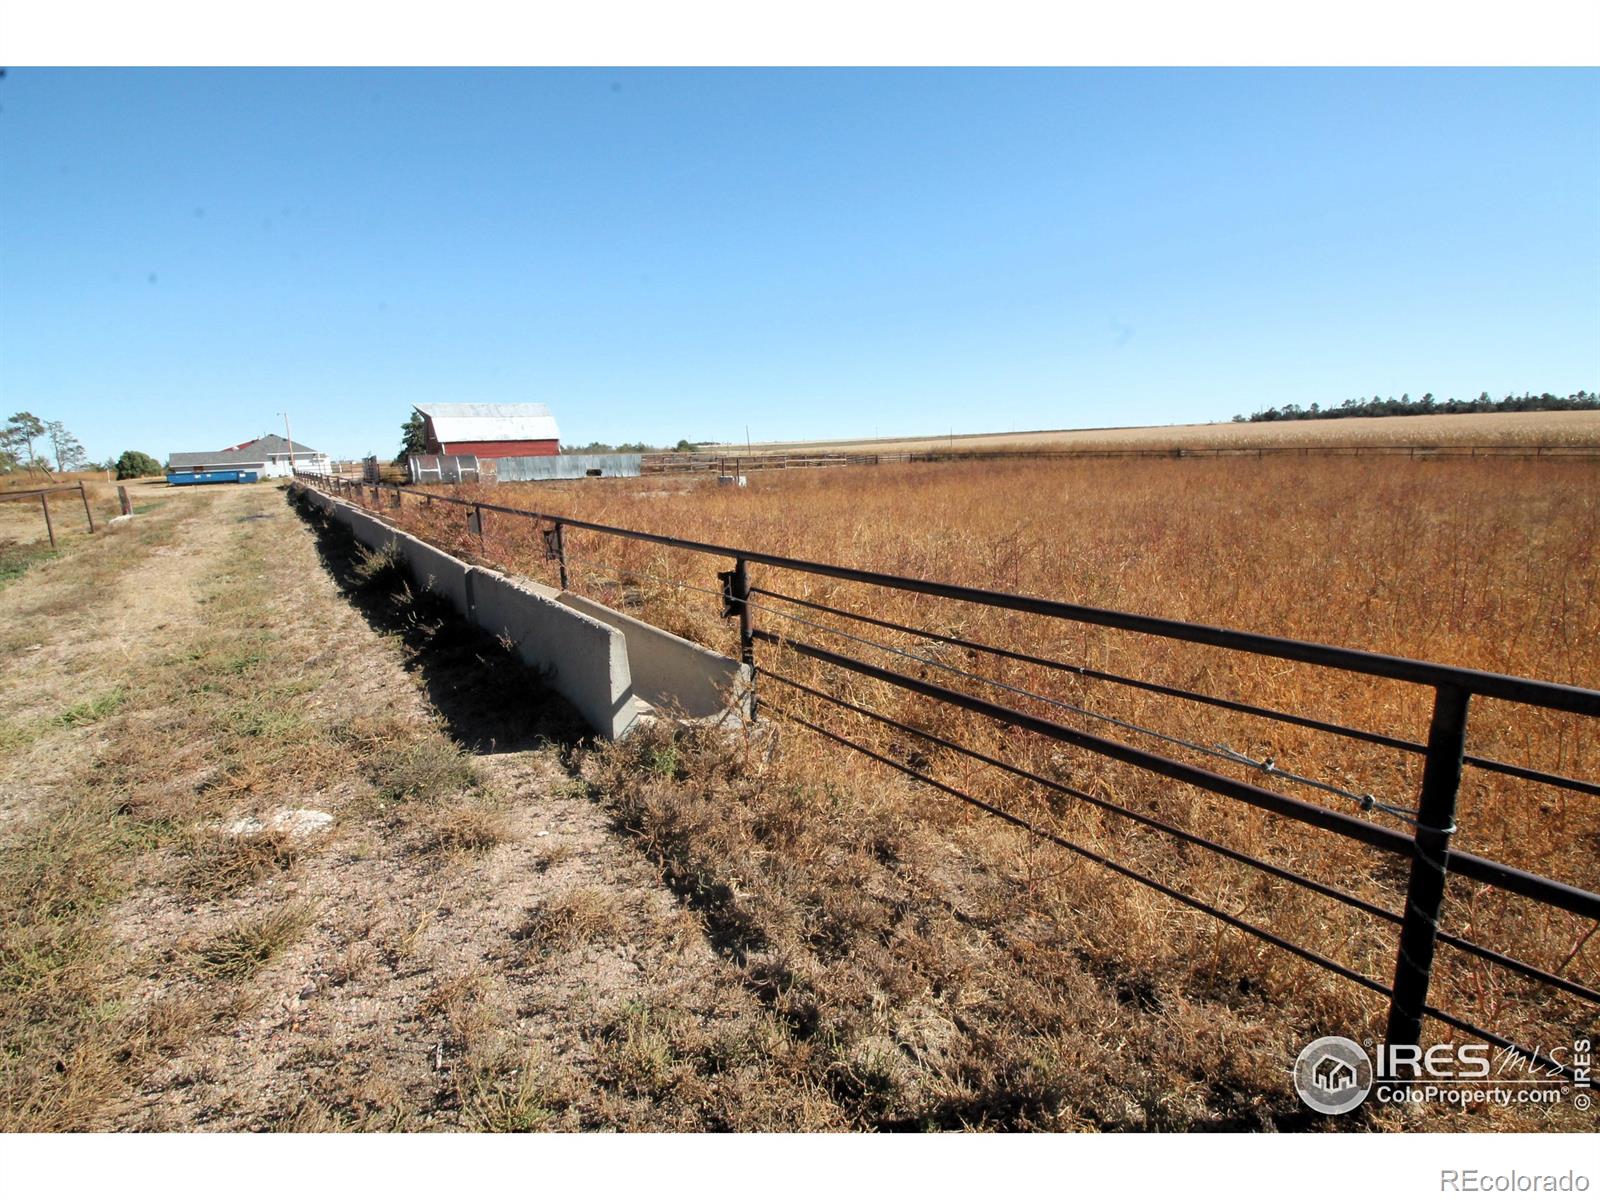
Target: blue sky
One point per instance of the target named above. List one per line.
(660, 254)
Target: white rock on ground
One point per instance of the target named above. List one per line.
(294, 821)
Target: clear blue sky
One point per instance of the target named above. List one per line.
(671, 253)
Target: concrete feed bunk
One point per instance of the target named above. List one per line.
(612, 668)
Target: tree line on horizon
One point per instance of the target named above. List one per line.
(1428, 405)
(25, 438)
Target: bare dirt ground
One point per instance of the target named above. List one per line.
(253, 881)
(1536, 428)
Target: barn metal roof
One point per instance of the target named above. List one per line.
(490, 422)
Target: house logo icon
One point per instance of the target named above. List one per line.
(1333, 1075)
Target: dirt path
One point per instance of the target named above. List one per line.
(325, 914)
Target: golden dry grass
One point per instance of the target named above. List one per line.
(1482, 564)
(1458, 429)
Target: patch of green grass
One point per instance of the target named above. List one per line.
(98, 709)
(16, 559)
(508, 1098)
(15, 737)
(663, 761)
(240, 664)
(254, 719)
(639, 1049)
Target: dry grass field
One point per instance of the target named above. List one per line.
(283, 847)
(24, 537)
(1484, 429)
(818, 859)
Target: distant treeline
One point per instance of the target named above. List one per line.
(684, 445)
(1407, 407)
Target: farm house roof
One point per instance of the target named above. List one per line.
(490, 422)
(255, 451)
(218, 458)
(271, 443)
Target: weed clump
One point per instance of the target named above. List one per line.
(222, 864)
(433, 770)
(576, 917)
(98, 709)
(250, 945)
(378, 570)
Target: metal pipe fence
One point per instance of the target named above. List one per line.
(1424, 847)
(43, 496)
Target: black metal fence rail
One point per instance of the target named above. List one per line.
(1432, 859)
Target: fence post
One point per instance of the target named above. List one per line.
(49, 526)
(736, 603)
(1436, 821)
(561, 555)
(87, 511)
(122, 499)
(477, 512)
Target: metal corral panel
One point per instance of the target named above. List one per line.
(449, 468)
(567, 466)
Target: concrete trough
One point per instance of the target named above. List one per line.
(611, 667)
(671, 673)
(583, 659)
(435, 571)
(369, 531)
(430, 569)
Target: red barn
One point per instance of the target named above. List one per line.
(490, 430)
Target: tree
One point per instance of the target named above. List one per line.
(135, 464)
(17, 438)
(684, 446)
(69, 453)
(413, 437)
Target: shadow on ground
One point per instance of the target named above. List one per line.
(491, 703)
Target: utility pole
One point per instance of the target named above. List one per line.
(290, 438)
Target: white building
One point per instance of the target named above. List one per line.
(268, 455)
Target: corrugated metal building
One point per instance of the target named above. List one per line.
(490, 430)
(567, 466)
